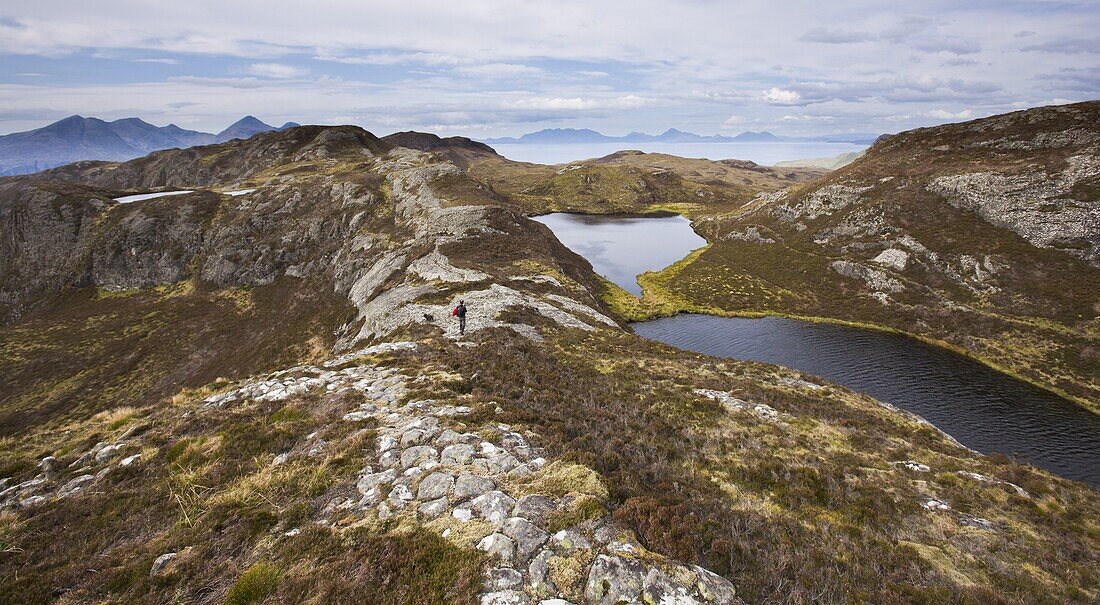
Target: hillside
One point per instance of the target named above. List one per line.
(982, 235)
(261, 398)
(633, 182)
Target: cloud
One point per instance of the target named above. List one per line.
(1070, 46)
(162, 61)
(734, 119)
(942, 114)
(781, 96)
(835, 36)
(276, 70)
(959, 62)
(247, 83)
(11, 23)
(578, 103)
(499, 70)
(948, 44)
(1085, 80)
(906, 27)
(391, 58)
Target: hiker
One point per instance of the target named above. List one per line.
(460, 313)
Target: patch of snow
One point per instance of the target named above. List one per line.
(238, 192)
(127, 199)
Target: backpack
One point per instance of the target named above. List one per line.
(454, 312)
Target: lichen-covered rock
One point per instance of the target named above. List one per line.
(494, 506)
(457, 454)
(417, 454)
(433, 509)
(503, 578)
(614, 580)
(527, 536)
(472, 486)
(75, 485)
(714, 588)
(505, 597)
(893, 258)
(1042, 208)
(538, 574)
(535, 508)
(499, 546)
(876, 280)
(435, 485)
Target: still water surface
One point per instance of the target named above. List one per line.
(984, 409)
(620, 248)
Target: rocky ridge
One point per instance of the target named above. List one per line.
(477, 492)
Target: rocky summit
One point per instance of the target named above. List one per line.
(253, 390)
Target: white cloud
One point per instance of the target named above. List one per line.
(499, 70)
(836, 36)
(276, 70)
(578, 103)
(390, 58)
(734, 119)
(948, 44)
(162, 61)
(780, 96)
(943, 114)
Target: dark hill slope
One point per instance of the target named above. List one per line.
(461, 151)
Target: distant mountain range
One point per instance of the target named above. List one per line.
(78, 138)
(672, 135)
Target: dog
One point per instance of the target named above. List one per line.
(428, 317)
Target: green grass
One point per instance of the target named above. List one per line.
(254, 585)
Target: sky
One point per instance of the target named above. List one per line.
(486, 68)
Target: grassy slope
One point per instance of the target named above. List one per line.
(632, 182)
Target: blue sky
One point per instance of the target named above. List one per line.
(492, 68)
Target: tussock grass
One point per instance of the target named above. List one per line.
(254, 585)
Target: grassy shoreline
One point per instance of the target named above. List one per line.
(653, 304)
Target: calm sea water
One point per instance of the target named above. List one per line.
(984, 409)
(765, 154)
